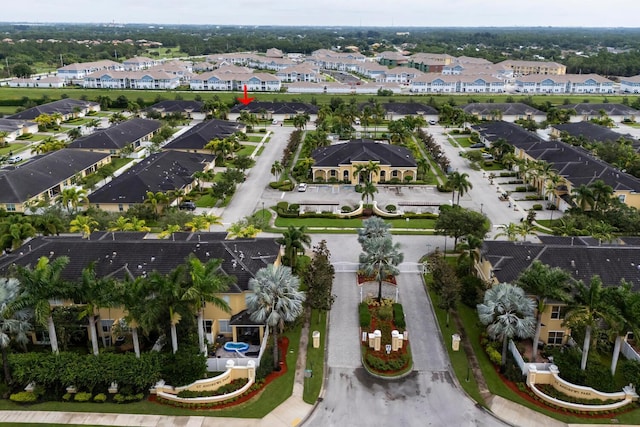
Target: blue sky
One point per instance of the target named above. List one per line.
(423, 13)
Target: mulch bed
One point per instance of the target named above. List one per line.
(514, 388)
(365, 279)
(283, 345)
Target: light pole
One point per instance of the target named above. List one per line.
(263, 214)
(481, 206)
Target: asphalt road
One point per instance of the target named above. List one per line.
(428, 396)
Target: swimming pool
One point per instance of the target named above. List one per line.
(236, 346)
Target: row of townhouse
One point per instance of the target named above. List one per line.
(630, 84)
(131, 80)
(254, 82)
(80, 70)
(565, 83)
(252, 60)
(439, 83)
(300, 73)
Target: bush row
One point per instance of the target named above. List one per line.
(364, 315)
(386, 365)
(398, 316)
(234, 385)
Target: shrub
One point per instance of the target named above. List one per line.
(364, 315)
(128, 398)
(67, 397)
(266, 364)
(398, 316)
(385, 313)
(100, 398)
(294, 207)
(537, 207)
(24, 397)
(275, 185)
(82, 397)
(494, 355)
(346, 208)
(282, 205)
(390, 208)
(184, 367)
(533, 197)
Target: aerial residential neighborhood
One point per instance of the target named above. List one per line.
(294, 226)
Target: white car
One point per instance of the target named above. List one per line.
(302, 186)
(15, 159)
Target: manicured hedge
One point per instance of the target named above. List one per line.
(364, 314)
(398, 316)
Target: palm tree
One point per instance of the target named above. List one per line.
(583, 196)
(508, 313)
(627, 303)
(169, 231)
(602, 231)
(510, 231)
(275, 300)
(368, 190)
(83, 224)
(544, 283)
(365, 170)
(14, 326)
(300, 120)
(207, 281)
(121, 224)
(167, 294)
(276, 169)
(525, 228)
(74, 133)
(458, 182)
(380, 259)
(202, 222)
(95, 293)
(588, 310)
(39, 285)
(132, 295)
(470, 244)
(294, 240)
(157, 200)
(71, 197)
(372, 228)
(602, 194)
(14, 230)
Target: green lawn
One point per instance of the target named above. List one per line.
(246, 150)
(463, 141)
(13, 148)
(165, 52)
(273, 395)
(119, 162)
(315, 357)
(494, 166)
(255, 138)
(206, 201)
(418, 224)
(16, 94)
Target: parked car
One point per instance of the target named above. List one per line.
(302, 186)
(187, 205)
(274, 122)
(477, 145)
(487, 156)
(433, 122)
(15, 159)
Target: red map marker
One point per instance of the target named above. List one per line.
(246, 100)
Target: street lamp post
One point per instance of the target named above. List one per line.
(263, 214)
(481, 206)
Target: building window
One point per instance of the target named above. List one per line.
(333, 173)
(556, 312)
(622, 197)
(106, 325)
(394, 173)
(120, 207)
(345, 175)
(225, 327)
(11, 207)
(555, 337)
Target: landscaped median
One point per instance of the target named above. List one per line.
(385, 350)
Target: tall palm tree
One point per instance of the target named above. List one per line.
(13, 327)
(294, 240)
(207, 282)
(588, 309)
(72, 197)
(167, 295)
(132, 296)
(602, 194)
(380, 259)
(372, 228)
(300, 120)
(368, 190)
(365, 171)
(14, 230)
(157, 200)
(170, 230)
(525, 228)
(276, 169)
(95, 292)
(39, 285)
(459, 182)
(544, 283)
(508, 313)
(583, 196)
(627, 303)
(202, 222)
(276, 300)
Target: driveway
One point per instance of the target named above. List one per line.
(428, 396)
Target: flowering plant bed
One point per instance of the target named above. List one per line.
(380, 362)
(365, 279)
